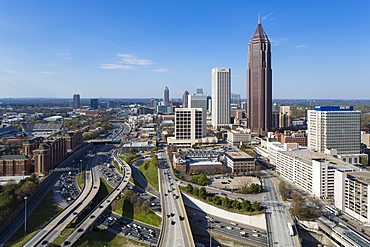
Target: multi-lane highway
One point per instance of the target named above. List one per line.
(175, 225)
(54, 227)
(43, 189)
(99, 209)
(276, 215)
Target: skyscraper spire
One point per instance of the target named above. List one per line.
(259, 19)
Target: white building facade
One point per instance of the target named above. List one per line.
(221, 97)
(334, 127)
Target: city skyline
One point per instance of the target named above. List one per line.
(111, 49)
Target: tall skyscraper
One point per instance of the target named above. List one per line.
(199, 90)
(94, 103)
(166, 96)
(334, 127)
(185, 99)
(259, 82)
(76, 101)
(220, 97)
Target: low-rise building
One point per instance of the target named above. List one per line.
(238, 137)
(240, 162)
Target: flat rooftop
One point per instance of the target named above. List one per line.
(307, 156)
(363, 177)
(239, 155)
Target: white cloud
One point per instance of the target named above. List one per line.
(116, 66)
(129, 59)
(9, 71)
(300, 46)
(160, 70)
(64, 56)
(47, 73)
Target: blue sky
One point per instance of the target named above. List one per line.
(133, 49)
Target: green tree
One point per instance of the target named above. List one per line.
(189, 188)
(235, 205)
(202, 192)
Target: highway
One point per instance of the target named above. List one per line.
(40, 193)
(276, 215)
(99, 209)
(175, 225)
(54, 227)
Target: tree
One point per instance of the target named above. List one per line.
(235, 205)
(189, 188)
(202, 192)
(256, 207)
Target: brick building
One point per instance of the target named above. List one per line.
(14, 165)
(288, 136)
(73, 140)
(49, 153)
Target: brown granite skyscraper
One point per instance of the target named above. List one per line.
(259, 83)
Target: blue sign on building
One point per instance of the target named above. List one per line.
(334, 108)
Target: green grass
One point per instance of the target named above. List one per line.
(151, 173)
(63, 236)
(103, 191)
(99, 238)
(44, 212)
(134, 213)
(117, 166)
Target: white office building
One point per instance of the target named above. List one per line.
(334, 127)
(221, 97)
(189, 128)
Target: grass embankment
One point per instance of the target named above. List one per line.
(103, 191)
(149, 168)
(137, 208)
(63, 236)
(117, 166)
(44, 212)
(99, 238)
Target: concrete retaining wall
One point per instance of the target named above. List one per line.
(258, 221)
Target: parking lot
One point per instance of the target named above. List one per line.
(232, 182)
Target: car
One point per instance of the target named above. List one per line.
(80, 230)
(173, 222)
(67, 243)
(108, 200)
(223, 194)
(172, 214)
(101, 206)
(45, 242)
(229, 227)
(254, 230)
(92, 216)
(255, 235)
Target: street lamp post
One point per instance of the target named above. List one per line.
(25, 214)
(210, 219)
